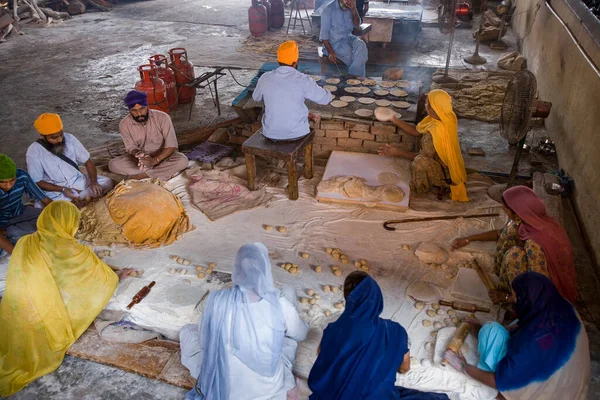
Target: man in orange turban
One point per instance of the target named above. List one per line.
(283, 92)
(53, 163)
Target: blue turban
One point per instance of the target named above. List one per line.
(134, 97)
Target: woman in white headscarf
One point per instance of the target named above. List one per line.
(244, 346)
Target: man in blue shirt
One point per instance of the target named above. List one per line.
(283, 92)
(16, 219)
(338, 20)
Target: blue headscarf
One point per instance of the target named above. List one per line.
(546, 336)
(493, 340)
(360, 352)
(228, 322)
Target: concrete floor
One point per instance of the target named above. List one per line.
(82, 68)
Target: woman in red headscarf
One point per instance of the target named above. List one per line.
(531, 241)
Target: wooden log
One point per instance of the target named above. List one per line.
(55, 14)
(76, 7)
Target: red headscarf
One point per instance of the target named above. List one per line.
(538, 226)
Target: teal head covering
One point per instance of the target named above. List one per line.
(8, 169)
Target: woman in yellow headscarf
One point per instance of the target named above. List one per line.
(54, 289)
(439, 163)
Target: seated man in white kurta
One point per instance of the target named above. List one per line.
(53, 163)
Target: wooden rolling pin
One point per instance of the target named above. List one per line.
(485, 278)
(139, 296)
(458, 339)
(462, 306)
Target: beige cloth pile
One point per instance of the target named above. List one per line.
(512, 61)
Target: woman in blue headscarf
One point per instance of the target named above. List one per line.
(244, 346)
(360, 353)
(547, 354)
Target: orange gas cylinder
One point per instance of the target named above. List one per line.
(257, 16)
(277, 14)
(165, 73)
(154, 87)
(184, 73)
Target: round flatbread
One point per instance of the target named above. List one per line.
(388, 178)
(362, 90)
(403, 84)
(398, 93)
(366, 100)
(387, 84)
(384, 114)
(369, 82)
(383, 103)
(316, 78)
(393, 194)
(350, 89)
(364, 112)
(348, 99)
(401, 104)
(353, 82)
(338, 104)
(381, 92)
(330, 88)
(332, 81)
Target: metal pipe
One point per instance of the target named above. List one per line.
(581, 49)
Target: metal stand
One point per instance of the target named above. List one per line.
(476, 59)
(296, 4)
(206, 80)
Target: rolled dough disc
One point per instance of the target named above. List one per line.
(338, 104)
(353, 82)
(330, 88)
(401, 104)
(348, 99)
(384, 114)
(369, 82)
(393, 194)
(362, 90)
(387, 84)
(382, 92)
(398, 93)
(383, 103)
(388, 178)
(332, 81)
(366, 100)
(431, 253)
(403, 84)
(364, 112)
(423, 291)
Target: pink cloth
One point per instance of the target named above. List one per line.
(538, 226)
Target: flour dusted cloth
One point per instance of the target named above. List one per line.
(512, 61)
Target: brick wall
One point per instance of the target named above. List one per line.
(357, 135)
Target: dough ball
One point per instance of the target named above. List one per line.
(303, 300)
(452, 312)
(312, 301)
(365, 268)
(426, 323)
(293, 270)
(318, 269)
(326, 288)
(335, 268)
(425, 363)
(339, 305)
(336, 251)
(336, 255)
(174, 258)
(327, 313)
(179, 260)
(310, 292)
(317, 296)
(448, 321)
(288, 266)
(281, 229)
(419, 305)
(435, 306)
(440, 312)
(186, 262)
(140, 272)
(172, 271)
(337, 272)
(405, 247)
(268, 228)
(312, 313)
(335, 289)
(199, 268)
(438, 325)
(344, 261)
(328, 250)
(431, 313)
(209, 270)
(450, 276)
(304, 255)
(455, 320)
(295, 265)
(414, 361)
(133, 274)
(357, 264)
(428, 346)
(212, 265)
(111, 253)
(363, 262)
(201, 275)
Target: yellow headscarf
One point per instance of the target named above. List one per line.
(287, 53)
(445, 140)
(55, 288)
(48, 124)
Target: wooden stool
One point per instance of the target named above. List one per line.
(258, 145)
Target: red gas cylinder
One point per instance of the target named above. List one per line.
(257, 16)
(154, 87)
(184, 73)
(277, 14)
(164, 72)
(267, 5)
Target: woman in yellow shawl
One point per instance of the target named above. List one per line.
(439, 163)
(55, 288)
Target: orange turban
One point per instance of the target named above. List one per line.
(48, 124)
(288, 52)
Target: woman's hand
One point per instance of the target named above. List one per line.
(124, 273)
(458, 243)
(390, 151)
(498, 297)
(457, 361)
